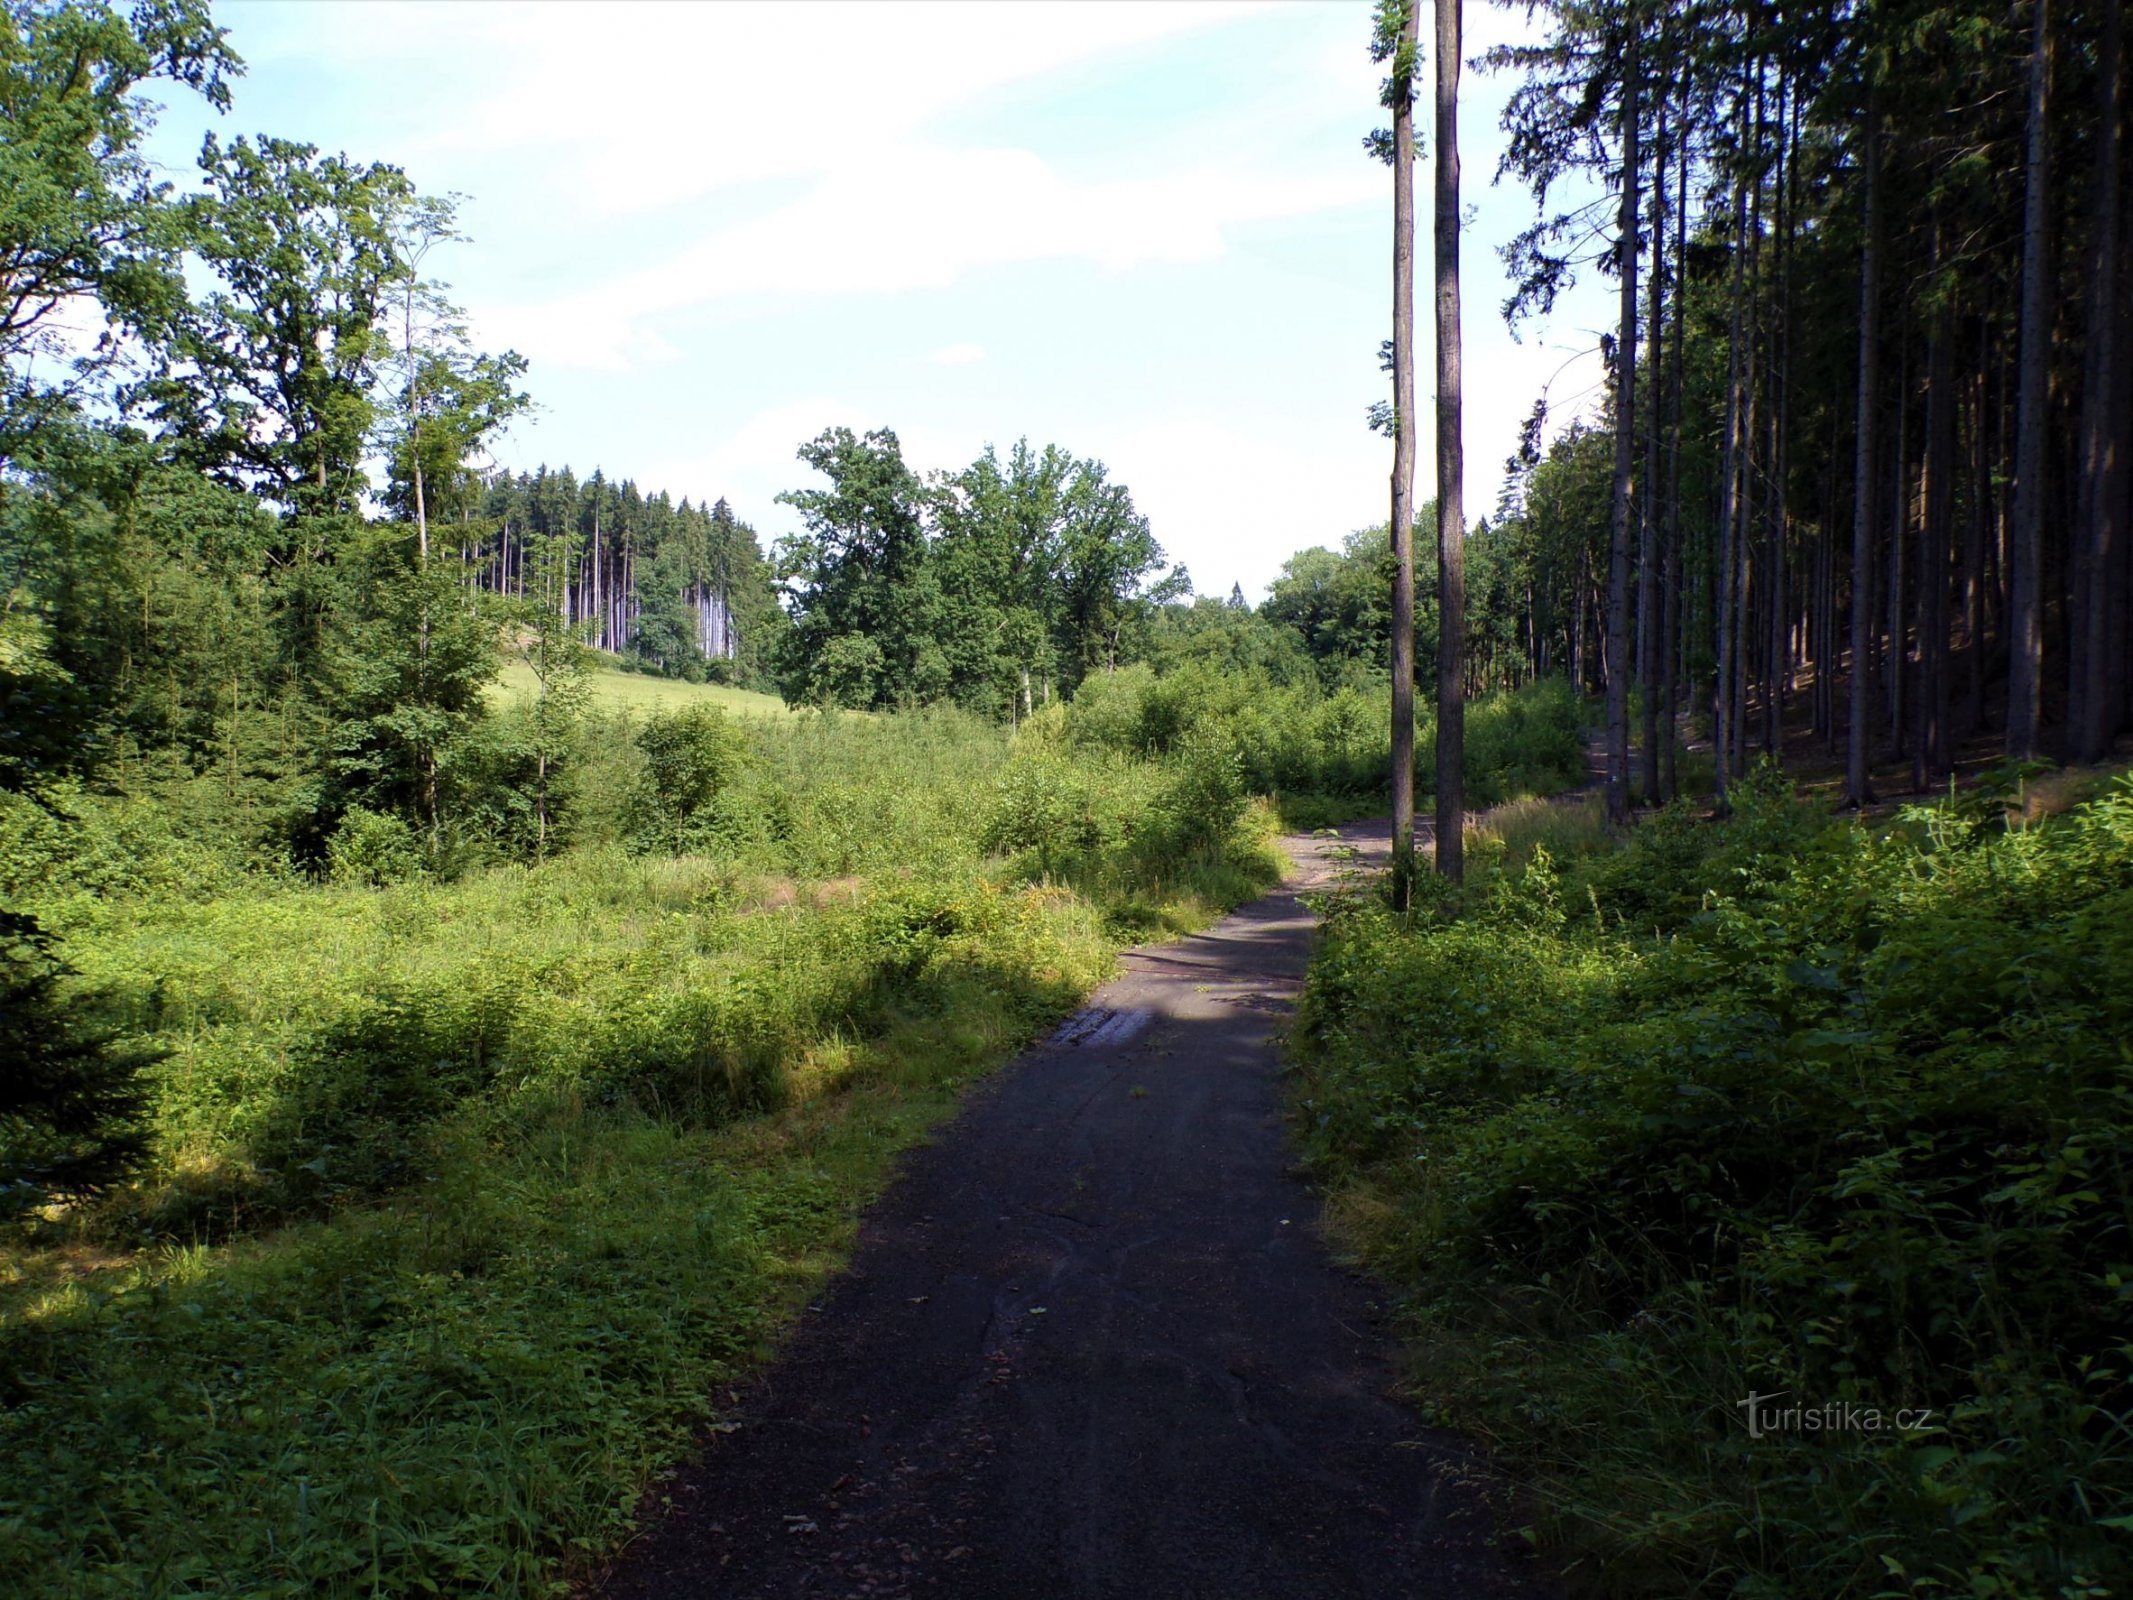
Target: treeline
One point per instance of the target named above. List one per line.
(681, 589)
(1532, 608)
(1865, 450)
(999, 587)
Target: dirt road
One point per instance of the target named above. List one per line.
(1090, 1345)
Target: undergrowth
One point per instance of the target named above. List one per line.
(1778, 1107)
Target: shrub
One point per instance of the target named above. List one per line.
(1204, 796)
(70, 1093)
(691, 757)
(1519, 743)
(1040, 803)
(373, 849)
(1106, 710)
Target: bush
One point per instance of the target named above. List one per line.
(1040, 803)
(691, 757)
(1204, 796)
(374, 850)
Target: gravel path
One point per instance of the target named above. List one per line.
(1091, 1345)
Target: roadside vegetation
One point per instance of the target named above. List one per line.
(1638, 1127)
(444, 1202)
(460, 1194)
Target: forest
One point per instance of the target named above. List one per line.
(474, 942)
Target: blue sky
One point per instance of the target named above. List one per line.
(1145, 232)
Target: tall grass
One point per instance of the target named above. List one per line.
(1324, 757)
(468, 1192)
(468, 1189)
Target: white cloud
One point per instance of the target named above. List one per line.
(728, 94)
(634, 105)
(920, 217)
(648, 177)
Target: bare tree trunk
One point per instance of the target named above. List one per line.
(1670, 634)
(1650, 644)
(2090, 713)
(1728, 507)
(1932, 756)
(1451, 465)
(422, 514)
(1625, 458)
(1786, 191)
(1403, 456)
(2115, 583)
(1897, 677)
(1751, 401)
(2025, 682)
(1974, 540)
(1577, 628)
(1825, 614)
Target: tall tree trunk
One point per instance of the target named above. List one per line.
(2025, 681)
(1650, 646)
(1898, 639)
(2095, 669)
(2116, 580)
(1751, 397)
(1403, 455)
(1785, 192)
(1451, 465)
(1730, 471)
(1618, 670)
(1974, 523)
(422, 514)
(1825, 616)
(1932, 756)
(1671, 633)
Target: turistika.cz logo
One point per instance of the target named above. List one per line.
(1834, 1416)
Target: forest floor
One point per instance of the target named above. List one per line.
(1091, 1342)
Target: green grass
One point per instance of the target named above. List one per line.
(470, 1195)
(466, 1389)
(614, 689)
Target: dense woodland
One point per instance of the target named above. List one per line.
(680, 589)
(1867, 397)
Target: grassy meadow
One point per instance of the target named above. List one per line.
(468, 1190)
(613, 689)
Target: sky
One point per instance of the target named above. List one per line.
(1145, 232)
